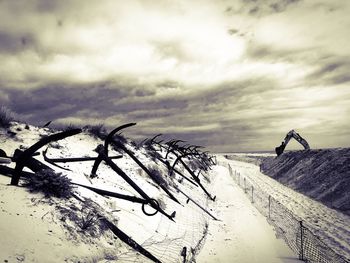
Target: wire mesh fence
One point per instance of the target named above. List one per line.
(172, 242)
(288, 226)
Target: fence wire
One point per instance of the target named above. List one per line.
(288, 226)
(174, 242)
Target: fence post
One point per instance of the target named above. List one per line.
(245, 185)
(239, 179)
(183, 254)
(252, 194)
(301, 256)
(270, 206)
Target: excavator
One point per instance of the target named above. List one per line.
(291, 134)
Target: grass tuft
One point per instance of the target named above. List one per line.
(98, 131)
(158, 176)
(50, 183)
(5, 117)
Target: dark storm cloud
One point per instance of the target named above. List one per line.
(187, 69)
(216, 139)
(239, 133)
(190, 104)
(101, 100)
(202, 106)
(256, 51)
(198, 116)
(262, 7)
(10, 42)
(209, 116)
(331, 71)
(280, 6)
(39, 6)
(168, 84)
(233, 31)
(50, 6)
(64, 100)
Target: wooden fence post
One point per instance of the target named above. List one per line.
(270, 206)
(301, 256)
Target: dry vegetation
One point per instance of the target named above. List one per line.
(50, 184)
(5, 117)
(78, 214)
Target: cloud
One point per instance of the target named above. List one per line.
(320, 67)
(226, 74)
(62, 100)
(102, 41)
(331, 71)
(200, 116)
(13, 43)
(260, 8)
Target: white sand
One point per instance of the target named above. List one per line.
(31, 232)
(243, 236)
(34, 233)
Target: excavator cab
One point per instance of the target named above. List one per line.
(291, 134)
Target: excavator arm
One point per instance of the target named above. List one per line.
(291, 134)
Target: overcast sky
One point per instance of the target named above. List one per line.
(232, 75)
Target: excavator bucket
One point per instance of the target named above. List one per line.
(291, 134)
(279, 150)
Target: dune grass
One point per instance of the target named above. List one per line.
(5, 117)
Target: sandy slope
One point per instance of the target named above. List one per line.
(244, 235)
(33, 228)
(331, 226)
(31, 231)
(322, 174)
